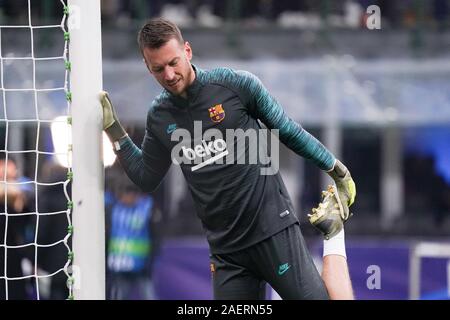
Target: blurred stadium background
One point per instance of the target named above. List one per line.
(379, 99)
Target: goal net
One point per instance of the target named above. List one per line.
(40, 256)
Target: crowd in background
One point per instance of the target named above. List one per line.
(254, 13)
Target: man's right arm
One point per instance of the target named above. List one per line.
(146, 167)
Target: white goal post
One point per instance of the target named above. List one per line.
(425, 250)
(88, 172)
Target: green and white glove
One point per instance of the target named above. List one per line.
(111, 123)
(346, 188)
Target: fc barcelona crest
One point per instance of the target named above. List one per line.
(216, 113)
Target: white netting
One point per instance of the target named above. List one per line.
(15, 120)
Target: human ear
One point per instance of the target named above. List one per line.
(188, 50)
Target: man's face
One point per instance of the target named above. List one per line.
(170, 65)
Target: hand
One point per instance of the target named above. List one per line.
(346, 188)
(111, 123)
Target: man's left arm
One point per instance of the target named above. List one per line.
(266, 108)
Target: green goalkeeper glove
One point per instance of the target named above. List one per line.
(111, 123)
(346, 189)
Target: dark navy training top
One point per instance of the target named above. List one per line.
(206, 134)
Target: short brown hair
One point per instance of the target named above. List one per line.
(157, 32)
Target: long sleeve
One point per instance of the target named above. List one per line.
(265, 108)
(146, 167)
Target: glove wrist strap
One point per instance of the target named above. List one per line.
(115, 132)
(338, 171)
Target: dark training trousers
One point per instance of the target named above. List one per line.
(282, 260)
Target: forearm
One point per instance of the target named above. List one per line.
(131, 158)
(336, 277)
(293, 135)
(304, 144)
(146, 167)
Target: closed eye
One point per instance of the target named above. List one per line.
(174, 62)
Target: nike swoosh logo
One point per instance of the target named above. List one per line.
(171, 129)
(283, 271)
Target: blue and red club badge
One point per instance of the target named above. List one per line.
(216, 113)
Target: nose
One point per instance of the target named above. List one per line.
(169, 74)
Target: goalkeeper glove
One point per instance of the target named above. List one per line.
(111, 123)
(346, 189)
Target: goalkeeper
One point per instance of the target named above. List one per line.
(252, 231)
